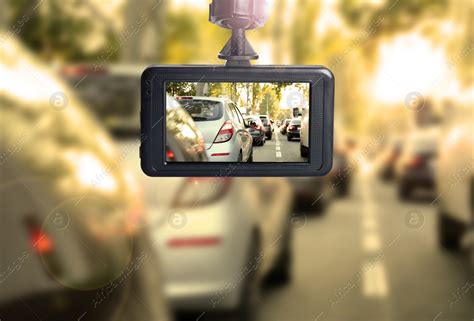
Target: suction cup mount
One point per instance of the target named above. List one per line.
(239, 16)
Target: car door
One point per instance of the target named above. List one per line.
(242, 132)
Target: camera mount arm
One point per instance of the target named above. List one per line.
(239, 16)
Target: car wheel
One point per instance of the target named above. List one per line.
(250, 160)
(288, 137)
(281, 271)
(450, 231)
(303, 151)
(251, 286)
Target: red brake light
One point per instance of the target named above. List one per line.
(40, 241)
(184, 98)
(225, 133)
(194, 241)
(169, 154)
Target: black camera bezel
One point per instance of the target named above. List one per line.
(153, 118)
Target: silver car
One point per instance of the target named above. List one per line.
(220, 238)
(224, 130)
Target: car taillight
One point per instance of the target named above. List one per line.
(225, 133)
(194, 242)
(169, 155)
(41, 242)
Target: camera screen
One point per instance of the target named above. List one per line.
(237, 122)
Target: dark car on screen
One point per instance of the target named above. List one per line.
(284, 126)
(293, 129)
(72, 241)
(256, 129)
(266, 121)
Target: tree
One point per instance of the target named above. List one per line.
(269, 104)
(53, 29)
(181, 89)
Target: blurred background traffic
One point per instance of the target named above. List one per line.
(387, 235)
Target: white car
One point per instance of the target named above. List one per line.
(221, 237)
(223, 127)
(304, 133)
(455, 182)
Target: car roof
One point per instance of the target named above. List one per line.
(219, 99)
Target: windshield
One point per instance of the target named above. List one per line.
(203, 110)
(265, 120)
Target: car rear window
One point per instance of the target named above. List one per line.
(264, 120)
(202, 110)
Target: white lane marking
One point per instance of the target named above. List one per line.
(375, 281)
(371, 242)
(369, 223)
(277, 147)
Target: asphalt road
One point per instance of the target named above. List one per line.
(371, 257)
(279, 149)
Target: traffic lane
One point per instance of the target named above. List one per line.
(371, 257)
(279, 149)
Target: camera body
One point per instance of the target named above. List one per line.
(317, 82)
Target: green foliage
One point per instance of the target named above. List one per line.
(181, 89)
(53, 29)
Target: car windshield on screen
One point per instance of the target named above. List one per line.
(264, 120)
(202, 110)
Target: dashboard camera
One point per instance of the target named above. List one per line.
(237, 119)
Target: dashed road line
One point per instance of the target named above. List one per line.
(375, 281)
